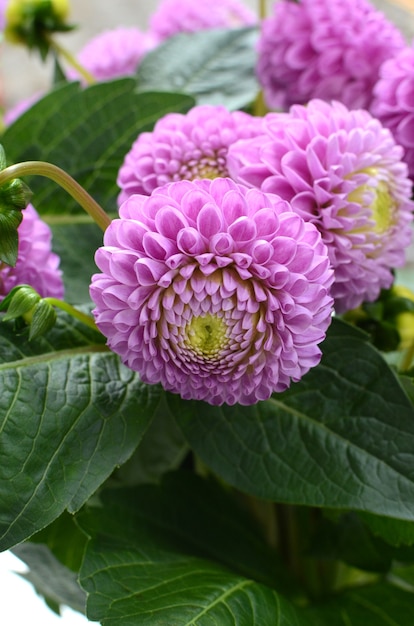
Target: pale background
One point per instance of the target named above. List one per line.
(21, 75)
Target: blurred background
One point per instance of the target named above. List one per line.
(22, 74)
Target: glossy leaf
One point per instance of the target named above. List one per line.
(69, 414)
(343, 437)
(141, 566)
(86, 132)
(219, 67)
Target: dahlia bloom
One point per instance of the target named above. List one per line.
(186, 16)
(114, 53)
(36, 265)
(218, 292)
(187, 146)
(393, 101)
(342, 171)
(327, 49)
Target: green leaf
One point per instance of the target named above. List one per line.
(395, 532)
(69, 414)
(343, 437)
(142, 567)
(162, 449)
(52, 580)
(376, 605)
(76, 242)
(213, 66)
(86, 132)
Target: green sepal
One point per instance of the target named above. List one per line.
(10, 220)
(20, 301)
(43, 319)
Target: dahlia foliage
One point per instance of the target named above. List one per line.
(207, 313)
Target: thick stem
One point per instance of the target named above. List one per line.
(262, 9)
(62, 178)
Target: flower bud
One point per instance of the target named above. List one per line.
(31, 21)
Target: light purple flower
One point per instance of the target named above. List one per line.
(187, 16)
(114, 53)
(341, 170)
(218, 292)
(393, 101)
(187, 146)
(328, 49)
(36, 265)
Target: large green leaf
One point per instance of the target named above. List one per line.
(144, 565)
(214, 66)
(86, 132)
(343, 437)
(69, 414)
(377, 605)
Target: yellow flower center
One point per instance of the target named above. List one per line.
(206, 335)
(382, 205)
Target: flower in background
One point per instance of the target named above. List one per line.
(186, 16)
(114, 53)
(342, 171)
(189, 146)
(218, 292)
(36, 265)
(328, 49)
(393, 101)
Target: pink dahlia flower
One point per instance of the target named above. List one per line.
(36, 265)
(114, 53)
(342, 171)
(218, 292)
(393, 101)
(186, 16)
(189, 146)
(328, 49)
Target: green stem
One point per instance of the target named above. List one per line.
(262, 9)
(72, 61)
(62, 178)
(68, 308)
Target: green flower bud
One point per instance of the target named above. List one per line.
(43, 319)
(30, 22)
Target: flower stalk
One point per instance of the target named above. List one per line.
(64, 180)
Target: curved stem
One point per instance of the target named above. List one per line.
(62, 178)
(72, 61)
(68, 308)
(408, 358)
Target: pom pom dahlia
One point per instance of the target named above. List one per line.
(36, 265)
(393, 101)
(114, 53)
(342, 171)
(218, 292)
(328, 49)
(186, 16)
(189, 146)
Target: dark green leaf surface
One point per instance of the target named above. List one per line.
(69, 414)
(86, 132)
(376, 605)
(343, 437)
(218, 68)
(143, 568)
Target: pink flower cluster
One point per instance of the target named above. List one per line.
(328, 49)
(342, 171)
(218, 292)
